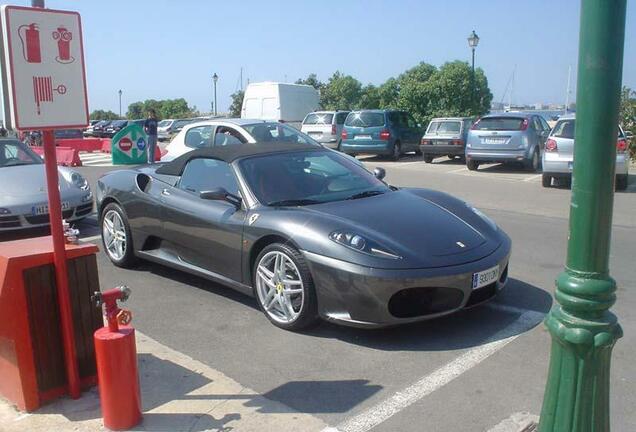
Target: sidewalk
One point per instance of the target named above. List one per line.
(178, 394)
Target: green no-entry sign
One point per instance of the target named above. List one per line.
(130, 146)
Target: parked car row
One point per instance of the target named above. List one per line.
(108, 128)
(513, 137)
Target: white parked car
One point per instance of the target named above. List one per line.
(281, 102)
(325, 127)
(222, 132)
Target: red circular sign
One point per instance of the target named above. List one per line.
(125, 144)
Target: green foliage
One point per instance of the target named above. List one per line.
(103, 115)
(237, 103)
(628, 116)
(423, 90)
(166, 108)
(341, 92)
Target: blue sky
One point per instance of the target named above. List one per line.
(168, 49)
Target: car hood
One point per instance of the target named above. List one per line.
(27, 180)
(423, 231)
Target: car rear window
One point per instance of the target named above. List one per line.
(564, 129)
(316, 118)
(499, 123)
(365, 119)
(444, 127)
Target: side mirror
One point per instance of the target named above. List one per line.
(221, 194)
(379, 173)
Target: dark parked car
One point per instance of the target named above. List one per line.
(446, 137)
(99, 129)
(507, 137)
(381, 132)
(69, 134)
(115, 126)
(307, 232)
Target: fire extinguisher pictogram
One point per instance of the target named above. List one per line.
(63, 38)
(30, 39)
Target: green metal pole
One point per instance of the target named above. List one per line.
(583, 329)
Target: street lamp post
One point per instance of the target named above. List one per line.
(119, 102)
(583, 329)
(473, 41)
(215, 78)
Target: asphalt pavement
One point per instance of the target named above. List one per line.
(467, 372)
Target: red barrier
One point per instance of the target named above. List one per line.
(66, 156)
(106, 145)
(85, 144)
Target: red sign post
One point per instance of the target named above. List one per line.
(44, 85)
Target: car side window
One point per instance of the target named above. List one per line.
(394, 118)
(537, 124)
(544, 123)
(411, 121)
(199, 137)
(206, 174)
(340, 118)
(225, 136)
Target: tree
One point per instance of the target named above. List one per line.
(103, 115)
(166, 108)
(627, 116)
(369, 97)
(237, 103)
(341, 92)
(312, 80)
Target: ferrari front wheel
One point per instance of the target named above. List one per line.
(284, 287)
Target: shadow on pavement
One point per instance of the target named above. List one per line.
(171, 422)
(465, 329)
(506, 168)
(319, 397)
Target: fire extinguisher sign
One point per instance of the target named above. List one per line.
(43, 74)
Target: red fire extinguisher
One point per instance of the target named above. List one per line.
(116, 358)
(30, 39)
(63, 38)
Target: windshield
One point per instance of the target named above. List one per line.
(319, 119)
(564, 129)
(499, 123)
(14, 153)
(164, 123)
(444, 127)
(307, 177)
(365, 119)
(272, 131)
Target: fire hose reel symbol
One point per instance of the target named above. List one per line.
(43, 90)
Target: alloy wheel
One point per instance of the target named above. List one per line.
(279, 287)
(114, 234)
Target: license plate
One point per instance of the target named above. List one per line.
(440, 142)
(315, 133)
(494, 140)
(44, 208)
(362, 137)
(485, 277)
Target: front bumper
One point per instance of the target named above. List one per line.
(22, 217)
(482, 155)
(360, 296)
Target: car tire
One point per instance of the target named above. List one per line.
(472, 165)
(297, 271)
(428, 158)
(397, 152)
(621, 182)
(546, 180)
(534, 162)
(113, 222)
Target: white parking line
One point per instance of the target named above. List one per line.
(457, 170)
(532, 178)
(377, 414)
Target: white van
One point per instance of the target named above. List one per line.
(288, 103)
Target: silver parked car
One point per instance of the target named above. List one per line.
(507, 137)
(558, 158)
(23, 196)
(325, 127)
(445, 136)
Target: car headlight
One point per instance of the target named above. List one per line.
(482, 215)
(75, 179)
(4, 211)
(361, 244)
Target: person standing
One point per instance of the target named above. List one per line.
(150, 127)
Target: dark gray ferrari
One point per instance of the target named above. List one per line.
(307, 232)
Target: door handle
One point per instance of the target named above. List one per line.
(165, 192)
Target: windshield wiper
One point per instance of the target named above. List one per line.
(293, 202)
(365, 194)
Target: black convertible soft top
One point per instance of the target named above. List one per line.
(231, 153)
